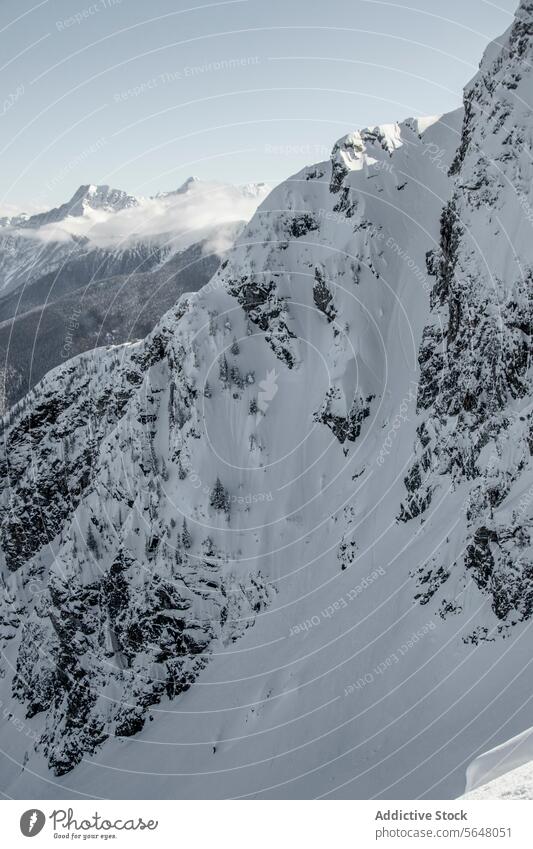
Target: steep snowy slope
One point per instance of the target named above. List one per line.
(212, 529)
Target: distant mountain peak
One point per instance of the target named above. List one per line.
(90, 196)
(188, 184)
(99, 197)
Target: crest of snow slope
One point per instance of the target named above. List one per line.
(516, 784)
(504, 772)
(275, 412)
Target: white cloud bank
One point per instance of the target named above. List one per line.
(198, 210)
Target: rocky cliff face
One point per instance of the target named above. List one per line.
(475, 382)
(224, 528)
(125, 607)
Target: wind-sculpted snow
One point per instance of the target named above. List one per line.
(291, 527)
(504, 772)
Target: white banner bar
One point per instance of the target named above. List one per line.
(268, 824)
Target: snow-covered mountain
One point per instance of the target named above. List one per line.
(104, 267)
(281, 548)
(85, 199)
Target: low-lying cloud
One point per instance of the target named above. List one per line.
(198, 211)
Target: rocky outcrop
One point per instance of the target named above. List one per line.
(475, 383)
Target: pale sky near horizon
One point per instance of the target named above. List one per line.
(141, 95)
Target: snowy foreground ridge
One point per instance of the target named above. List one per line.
(517, 784)
(282, 547)
(505, 772)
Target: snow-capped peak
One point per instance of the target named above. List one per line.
(361, 148)
(100, 197)
(188, 184)
(85, 198)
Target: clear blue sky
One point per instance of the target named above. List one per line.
(142, 94)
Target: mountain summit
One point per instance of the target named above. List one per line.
(85, 198)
